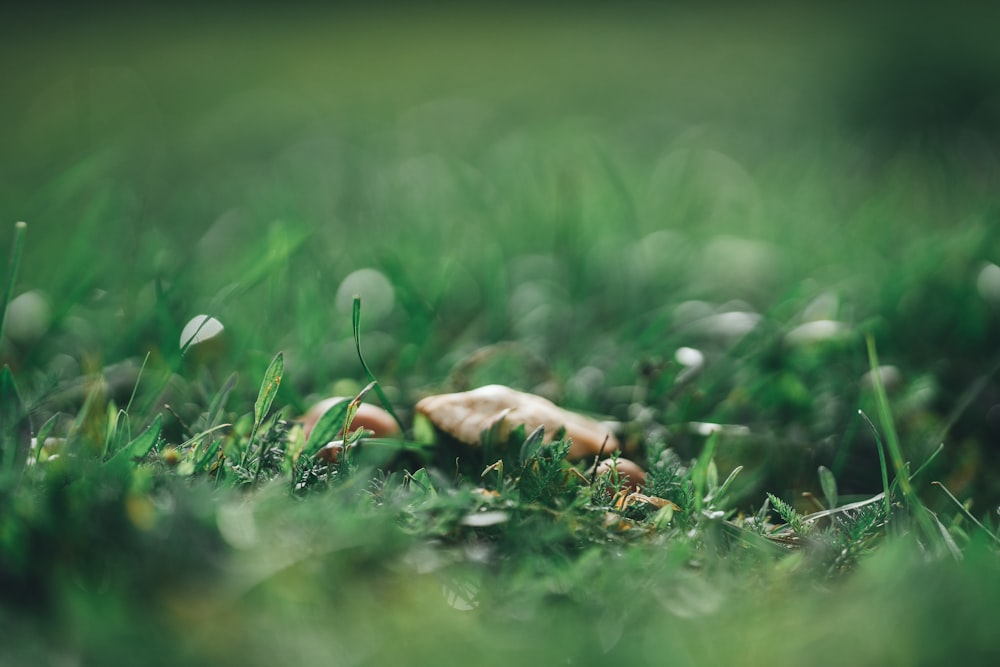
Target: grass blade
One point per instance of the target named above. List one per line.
(356, 317)
(924, 521)
(15, 425)
(135, 387)
(206, 458)
(719, 494)
(965, 512)
(141, 445)
(15, 261)
(886, 495)
(265, 397)
(218, 404)
(699, 472)
(829, 485)
(531, 445)
(928, 461)
(268, 388)
(118, 431)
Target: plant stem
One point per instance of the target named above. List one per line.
(15, 261)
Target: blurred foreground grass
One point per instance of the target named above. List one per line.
(557, 201)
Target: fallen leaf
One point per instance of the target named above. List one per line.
(624, 501)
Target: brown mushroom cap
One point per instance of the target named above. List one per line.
(369, 417)
(629, 472)
(465, 415)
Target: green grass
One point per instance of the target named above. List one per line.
(554, 200)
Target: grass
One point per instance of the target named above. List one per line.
(559, 203)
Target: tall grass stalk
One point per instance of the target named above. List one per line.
(925, 523)
(15, 260)
(882, 463)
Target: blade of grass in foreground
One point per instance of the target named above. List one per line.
(15, 428)
(886, 495)
(15, 261)
(15, 424)
(265, 397)
(371, 376)
(141, 445)
(925, 522)
(965, 512)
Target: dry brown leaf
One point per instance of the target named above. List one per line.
(624, 501)
(467, 414)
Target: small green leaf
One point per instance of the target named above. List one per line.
(699, 472)
(829, 485)
(720, 493)
(712, 478)
(268, 389)
(532, 444)
(135, 387)
(117, 431)
(663, 516)
(140, 446)
(327, 428)
(206, 459)
(265, 397)
(490, 439)
(788, 514)
(422, 481)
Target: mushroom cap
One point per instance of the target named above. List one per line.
(465, 415)
(369, 417)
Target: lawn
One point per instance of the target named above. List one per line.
(758, 242)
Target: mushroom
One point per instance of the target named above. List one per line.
(465, 415)
(369, 417)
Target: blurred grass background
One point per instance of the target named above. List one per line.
(563, 179)
(591, 187)
(590, 184)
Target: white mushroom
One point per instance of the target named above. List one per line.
(466, 415)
